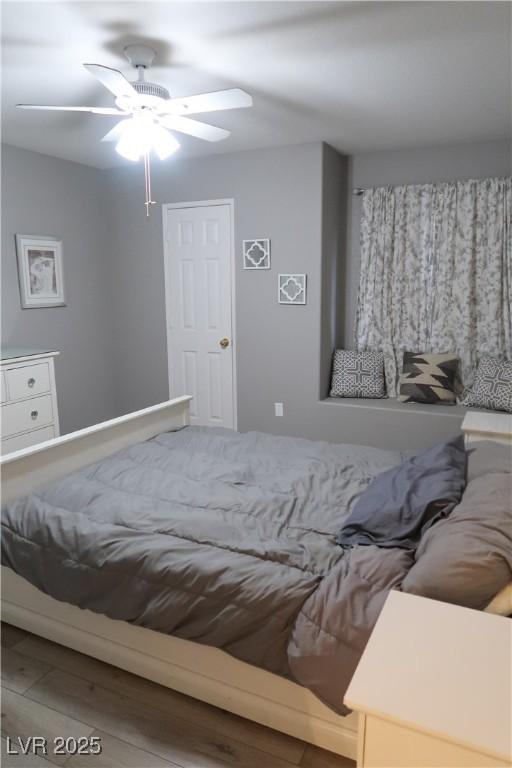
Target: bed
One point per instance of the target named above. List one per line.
(275, 493)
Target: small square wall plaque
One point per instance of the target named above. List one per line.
(291, 289)
(256, 254)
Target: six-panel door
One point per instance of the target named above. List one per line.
(200, 344)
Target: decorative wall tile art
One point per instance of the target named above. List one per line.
(291, 289)
(256, 254)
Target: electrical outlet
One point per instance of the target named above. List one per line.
(278, 409)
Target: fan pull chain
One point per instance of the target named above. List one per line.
(147, 180)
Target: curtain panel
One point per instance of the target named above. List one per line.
(436, 272)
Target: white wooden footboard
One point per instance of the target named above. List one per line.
(205, 673)
(24, 471)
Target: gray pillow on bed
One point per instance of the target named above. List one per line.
(467, 558)
(400, 504)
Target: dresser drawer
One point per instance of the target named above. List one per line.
(2, 387)
(28, 380)
(27, 415)
(18, 442)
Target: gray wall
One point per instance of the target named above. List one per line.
(277, 194)
(45, 196)
(334, 234)
(112, 333)
(412, 166)
(297, 196)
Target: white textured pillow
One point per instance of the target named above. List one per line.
(358, 374)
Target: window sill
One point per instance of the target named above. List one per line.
(393, 405)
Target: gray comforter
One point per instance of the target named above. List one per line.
(222, 538)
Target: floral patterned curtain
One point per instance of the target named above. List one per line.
(436, 272)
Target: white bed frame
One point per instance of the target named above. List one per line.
(205, 673)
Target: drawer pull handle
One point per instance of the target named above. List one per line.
(34, 414)
(31, 382)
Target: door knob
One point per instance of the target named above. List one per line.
(224, 343)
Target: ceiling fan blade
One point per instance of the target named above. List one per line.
(233, 98)
(94, 110)
(116, 132)
(112, 79)
(194, 128)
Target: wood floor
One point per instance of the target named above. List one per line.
(49, 691)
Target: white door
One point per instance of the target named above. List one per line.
(199, 310)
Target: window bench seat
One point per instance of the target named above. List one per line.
(387, 423)
(392, 404)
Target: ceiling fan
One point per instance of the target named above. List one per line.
(148, 113)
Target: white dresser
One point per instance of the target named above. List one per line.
(29, 413)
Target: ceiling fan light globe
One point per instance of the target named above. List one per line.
(163, 142)
(135, 140)
(127, 150)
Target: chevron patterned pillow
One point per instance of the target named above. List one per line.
(492, 387)
(429, 378)
(357, 374)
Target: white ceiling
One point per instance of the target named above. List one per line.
(363, 76)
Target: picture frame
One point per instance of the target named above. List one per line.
(256, 253)
(291, 289)
(40, 271)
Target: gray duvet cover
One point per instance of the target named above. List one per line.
(223, 538)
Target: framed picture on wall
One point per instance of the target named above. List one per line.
(40, 271)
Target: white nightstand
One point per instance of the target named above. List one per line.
(487, 425)
(434, 687)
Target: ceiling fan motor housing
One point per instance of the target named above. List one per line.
(150, 89)
(139, 55)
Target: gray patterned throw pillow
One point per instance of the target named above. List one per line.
(492, 387)
(358, 374)
(429, 378)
